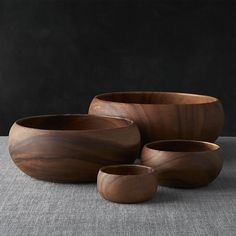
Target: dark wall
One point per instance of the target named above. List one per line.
(56, 55)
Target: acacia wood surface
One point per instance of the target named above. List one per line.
(127, 183)
(163, 115)
(184, 164)
(71, 148)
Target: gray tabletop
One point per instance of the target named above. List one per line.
(32, 207)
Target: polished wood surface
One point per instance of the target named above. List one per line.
(71, 148)
(127, 183)
(182, 163)
(162, 115)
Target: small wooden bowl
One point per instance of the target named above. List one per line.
(71, 148)
(165, 115)
(127, 183)
(183, 163)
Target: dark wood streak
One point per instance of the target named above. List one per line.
(53, 158)
(192, 167)
(73, 155)
(74, 148)
(162, 115)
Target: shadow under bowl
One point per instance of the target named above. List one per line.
(127, 183)
(71, 148)
(183, 163)
(164, 115)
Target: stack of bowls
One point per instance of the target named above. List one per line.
(177, 131)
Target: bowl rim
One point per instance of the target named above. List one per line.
(214, 99)
(151, 170)
(214, 145)
(130, 122)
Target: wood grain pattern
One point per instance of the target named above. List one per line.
(162, 115)
(71, 148)
(127, 183)
(182, 163)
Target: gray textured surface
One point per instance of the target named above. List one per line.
(31, 207)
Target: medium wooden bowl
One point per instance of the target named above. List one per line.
(71, 148)
(127, 183)
(163, 115)
(183, 163)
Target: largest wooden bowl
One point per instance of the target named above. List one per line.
(71, 148)
(163, 115)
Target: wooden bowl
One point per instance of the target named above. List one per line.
(127, 183)
(71, 148)
(183, 163)
(163, 115)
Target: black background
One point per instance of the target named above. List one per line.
(56, 55)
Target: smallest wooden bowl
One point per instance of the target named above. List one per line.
(183, 163)
(127, 183)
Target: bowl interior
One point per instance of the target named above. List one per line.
(73, 122)
(127, 170)
(156, 98)
(182, 146)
